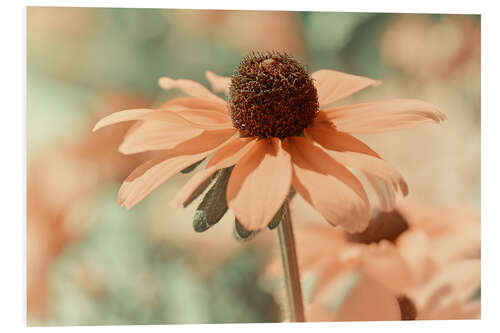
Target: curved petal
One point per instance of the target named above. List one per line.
(382, 116)
(147, 177)
(194, 103)
(330, 138)
(218, 83)
(355, 154)
(191, 88)
(328, 186)
(259, 184)
(223, 158)
(200, 116)
(207, 120)
(372, 166)
(333, 86)
(155, 135)
(140, 114)
(385, 192)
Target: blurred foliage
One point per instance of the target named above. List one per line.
(361, 51)
(115, 275)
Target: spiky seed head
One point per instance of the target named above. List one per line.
(271, 95)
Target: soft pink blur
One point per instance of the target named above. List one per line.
(247, 30)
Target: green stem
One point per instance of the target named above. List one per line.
(288, 252)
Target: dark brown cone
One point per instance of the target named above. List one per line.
(271, 95)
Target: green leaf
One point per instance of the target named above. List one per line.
(214, 205)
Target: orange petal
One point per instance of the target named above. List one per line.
(330, 138)
(194, 103)
(217, 121)
(191, 88)
(326, 272)
(155, 135)
(462, 243)
(385, 192)
(382, 116)
(223, 158)
(218, 83)
(384, 263)
(333, 86)
(259, 184)
(201, 116)
(140, 114)
(328, 186)
(373, 166)
(457, 281)
(414, 246)
(368, 300)
(147, 177)
(352, 152)
(313, 242)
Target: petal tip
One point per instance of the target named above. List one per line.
(165, 82)
(125, 149)
(404, 187)
(209, 74)
(442, 116)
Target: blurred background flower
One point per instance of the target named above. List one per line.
(416, 262)
(84, 63)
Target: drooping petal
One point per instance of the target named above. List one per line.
(385, 192)
(333, 86)
(330, 138)
(327, 185)
(201, 116)
(140, 114)
(147, 177)
(382, 116)
(191, 88)
(225, 157)
(155, 135)
(259, 184)
(194, 103)
(201, 119)
(218, 83)
(373, 166)
(353, 153)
